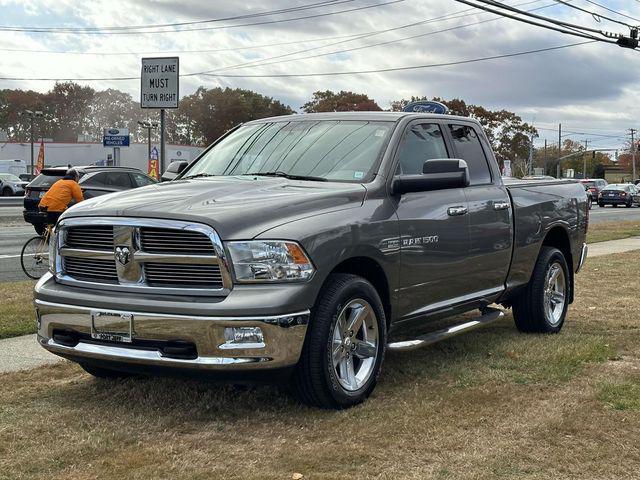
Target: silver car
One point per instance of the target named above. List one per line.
(11, 185)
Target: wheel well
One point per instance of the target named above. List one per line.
(372, 271)
(559, 238)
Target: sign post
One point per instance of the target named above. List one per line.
(116, 138)
(159, 88)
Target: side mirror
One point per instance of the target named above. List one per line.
(173, 170)
(437, 174)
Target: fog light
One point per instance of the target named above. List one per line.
(243, 337)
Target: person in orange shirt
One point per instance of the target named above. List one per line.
(57, 199)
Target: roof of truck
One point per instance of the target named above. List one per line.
(371, 116)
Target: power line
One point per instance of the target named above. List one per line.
(568, 31)
(613, 11)
(265, 62)
(14, 28)
(222, 27)
(321, 74)
(595, 15)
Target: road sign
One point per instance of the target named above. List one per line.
(159, 82)
(115, 137)
(424, 106)
(154, 154)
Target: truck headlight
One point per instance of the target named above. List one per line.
(269, 261)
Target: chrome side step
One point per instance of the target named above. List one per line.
(492, 315)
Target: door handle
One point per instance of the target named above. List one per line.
(501, 205)
(455, 211)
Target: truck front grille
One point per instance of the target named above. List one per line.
(166, 240)
(142, 255)
(177, 274)
(98, 237)
(91, 269)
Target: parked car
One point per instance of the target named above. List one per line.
(595, 186)
(94, 181)
(11, 185)
(619, 194)
(26, 177)
(307, 245)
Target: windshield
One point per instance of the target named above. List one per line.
(589, 184)
(9, 177)
(331, 150)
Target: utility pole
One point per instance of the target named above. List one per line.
(545, 156)
(584, 159)
(558, 171)
(633, 153)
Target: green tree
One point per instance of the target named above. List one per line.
(69, 110)
(342, 101)
(208, 113)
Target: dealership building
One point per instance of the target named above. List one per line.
(92, 153)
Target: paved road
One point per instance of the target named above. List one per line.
(610, 214)
(10, 201)
(12, 237)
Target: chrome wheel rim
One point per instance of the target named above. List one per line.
(354, 348)
(555, 293)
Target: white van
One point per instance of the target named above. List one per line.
(13, 166)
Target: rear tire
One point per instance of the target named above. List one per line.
(344, 347)
(34, 257)
(601, 205)
(100, 372)
(542, 306)
(7, 192)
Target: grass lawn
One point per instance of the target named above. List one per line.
(16, 314)
(491, 404)
(601, 232)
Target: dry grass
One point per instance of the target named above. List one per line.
(16, 313)
(491, 404)
(601, 232)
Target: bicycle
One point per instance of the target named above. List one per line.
(34, 257)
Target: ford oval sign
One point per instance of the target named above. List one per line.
(113, 131)
(424, 106)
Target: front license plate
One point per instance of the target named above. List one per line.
(112, 327)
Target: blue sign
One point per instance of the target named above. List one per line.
(115, 137)
(425, 106)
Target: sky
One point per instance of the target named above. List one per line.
(590, 88)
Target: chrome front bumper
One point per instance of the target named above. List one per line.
(283, 338)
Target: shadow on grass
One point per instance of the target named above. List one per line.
(497, 354)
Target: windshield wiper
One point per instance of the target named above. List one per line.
(289, 176)
(198, 175)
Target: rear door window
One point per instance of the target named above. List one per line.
(468, 147)
(110, 180)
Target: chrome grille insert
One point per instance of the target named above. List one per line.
(142, 255)
(91, 269)
(166, 240)
(99, 237)
(180, 274)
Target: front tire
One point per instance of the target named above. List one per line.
(344, 347)
(542, 306)
(7, 192)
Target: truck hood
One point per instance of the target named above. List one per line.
(238, 207)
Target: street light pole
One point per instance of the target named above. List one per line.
(584, 159)
(558, 172)
(148, 125)
(31, 114)
(633, 153)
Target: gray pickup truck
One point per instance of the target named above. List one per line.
(308, 245)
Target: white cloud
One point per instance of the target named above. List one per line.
(589, 86)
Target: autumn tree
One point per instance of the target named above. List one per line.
(509, 136)
(342, 101)
(208, 113)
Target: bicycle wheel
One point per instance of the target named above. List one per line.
(34, 257)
